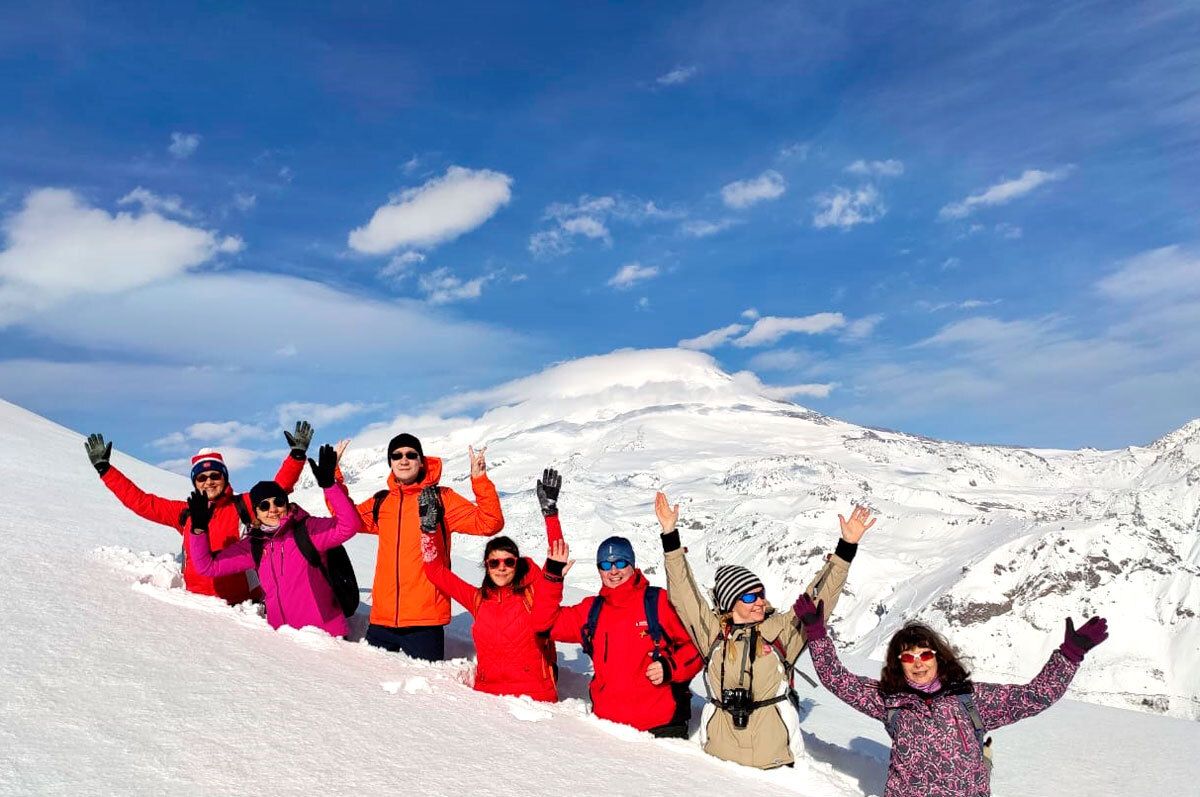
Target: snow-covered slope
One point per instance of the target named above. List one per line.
(995, 545)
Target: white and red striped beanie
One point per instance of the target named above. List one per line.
(207, 460)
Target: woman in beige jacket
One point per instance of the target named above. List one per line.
(749, 648)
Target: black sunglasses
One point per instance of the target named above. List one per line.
(266, 504)
(209, 476)
(396, 456)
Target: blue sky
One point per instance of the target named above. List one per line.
(976, 222)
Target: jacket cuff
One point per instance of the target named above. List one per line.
(102, 468)
(846, 550)
(554, 569)
(1072, 652)
(670, 541)
(298, 454)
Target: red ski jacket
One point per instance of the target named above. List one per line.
(621, 652)
(223, 530)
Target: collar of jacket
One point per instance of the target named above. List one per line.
(769, 628)
(433, 473)
(295, 515)
(627, 592)
(908, 695)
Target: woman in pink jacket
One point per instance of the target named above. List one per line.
(296, 593)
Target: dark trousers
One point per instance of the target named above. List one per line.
(416, 641)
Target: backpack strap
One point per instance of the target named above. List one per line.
(985, 744)
(588, 632)
(307, 549)
(379, 496)
(653, 626)
(239, 503)
(256, 549)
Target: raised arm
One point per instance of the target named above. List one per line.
(484, 517)
(331, 532)
(684, 658)
(701, 622)
(235, 558)
(443, 578)
(547, 591)
(548, 488)
(568, 625)
(141, 503)
(1004, 704)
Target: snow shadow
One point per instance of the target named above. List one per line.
(865, 760)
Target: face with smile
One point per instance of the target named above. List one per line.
(273, 514)
(616, 576)
(501, 567)
(752, 612)
(211, 483)
(919, 664)
(406, 464)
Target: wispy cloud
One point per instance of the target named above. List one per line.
(846, 208)
(966, 304)
(887, 168)
(862, 327)
(440, 210)
(678, 75)
(700, 228)
(795, 391)
(631, 274)
(742, 194)
(1169, 273)
(441, 286)
(153, 203)
(400, 266)
(320, 414)
(589, 218)
(769, 329)
(713, 339)
(1004, 192)
(781, 360)
(794, 152)
(183, 145)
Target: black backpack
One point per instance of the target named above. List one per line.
(335, 566)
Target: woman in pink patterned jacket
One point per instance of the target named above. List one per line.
(937, 717)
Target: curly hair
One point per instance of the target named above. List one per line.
(951, 670)
(507, 545)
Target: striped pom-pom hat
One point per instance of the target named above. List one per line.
(207, 460)
(731, 583)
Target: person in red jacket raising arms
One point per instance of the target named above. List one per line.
(513, 608)
(642, 656)
(210, 477)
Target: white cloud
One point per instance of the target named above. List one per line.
(713, 339)
(742, 194)
(589, 217)
(400, 265)
(794, 152)
(1169, 273)
(781, 360)
(411, 165)
(680, 74)
(440, 210)
(950, 263)
(967, 304)
(751, 313)
(212, 433)
(183, 145)
(440, 286)
(699, 228)
(862, 327)
(236, 459)
(887, 168)
(1004, 192)
(632, 273)
(588, 227)
(244, 201)
(59, 247)
(1010, 231)
(769, 329)
(847, 208)
(792, 391)
(153, 203)
(320, 414)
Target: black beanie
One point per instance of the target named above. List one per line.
(404, 440)
(266, 490)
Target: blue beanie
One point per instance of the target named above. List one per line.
(615, 548)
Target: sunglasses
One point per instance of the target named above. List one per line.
(208, 476)
(913, 658)
(266, 504)
(396, 456)
(751, 597)
(619, 564)
(506, 562)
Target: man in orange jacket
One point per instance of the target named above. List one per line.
(408, 613)
(211, 477)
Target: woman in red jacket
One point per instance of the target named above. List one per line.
(513, 608)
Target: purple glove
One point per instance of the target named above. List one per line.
(812, 616)
(1090, 634)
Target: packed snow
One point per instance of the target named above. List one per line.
(117, 681)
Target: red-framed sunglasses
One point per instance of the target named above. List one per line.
(507, 562)
(913, 658)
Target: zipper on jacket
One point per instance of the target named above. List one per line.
(399, 525)
(605, 657)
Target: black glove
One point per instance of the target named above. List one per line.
(300, 439)
(547, 491)
(199, 512)
(429, 506)
(98, 452)
(325, 468)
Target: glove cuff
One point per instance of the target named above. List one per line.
(554, 569)
(846, 550)
(101, 467)
(299, 453)
(671, 542)
(1072, 652)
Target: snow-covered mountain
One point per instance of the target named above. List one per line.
(994, 545)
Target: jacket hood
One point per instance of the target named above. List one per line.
(433, 474)
(626, 592)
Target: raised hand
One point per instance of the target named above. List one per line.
(299, 439)
(559, 554)
(199, 512)
(340, 448)
(547, 491)
(811, 615)
(478, 462)
(854, 528)
(668, 515)
(429, 507)
(326, 468)
(1090, 634)
(98, 452)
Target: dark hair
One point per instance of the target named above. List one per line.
(918, 635)
(508, 546)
